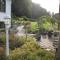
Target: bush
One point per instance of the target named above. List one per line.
(2, 54)
(2, 38)
(23, 54)
(12, 41)
(20, 41)
(30, 50)
(31, 27)
(25, 49)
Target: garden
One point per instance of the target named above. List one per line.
(27, 48)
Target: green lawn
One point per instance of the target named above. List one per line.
(34, 26)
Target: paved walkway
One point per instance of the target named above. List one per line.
(46, 43)
(20, 30)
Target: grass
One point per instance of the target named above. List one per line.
(34, 26)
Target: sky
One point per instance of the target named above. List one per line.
(50, 5)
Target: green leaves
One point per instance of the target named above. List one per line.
(30, 50)
(46, 22)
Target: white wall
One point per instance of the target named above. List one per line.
(2, 15)
(8, 8)
(6, 14)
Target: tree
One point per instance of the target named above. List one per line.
(28, 9)
(38, 11)
(56, 16)
(46, 22)
(22, 7)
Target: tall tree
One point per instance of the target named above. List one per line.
(56, 16)
(28, 9)
(22, 7)
(38, 11)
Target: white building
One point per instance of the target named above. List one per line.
(5, 11)
(5, 16)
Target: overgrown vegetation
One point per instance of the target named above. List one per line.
(22, 49)
(30, 50)
(35, 19)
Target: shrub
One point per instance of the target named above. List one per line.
(44, 55)
(11, 41)
(2, 38)
(33, 27)
(23, 54)
(30, 50)
(2, 54)
(20, 41)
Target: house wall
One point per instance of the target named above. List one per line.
(8, 8)
(7, 14)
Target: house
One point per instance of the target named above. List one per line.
(5, 16)
(5, 11)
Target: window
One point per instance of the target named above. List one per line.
(2, 25)
(2, 5)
